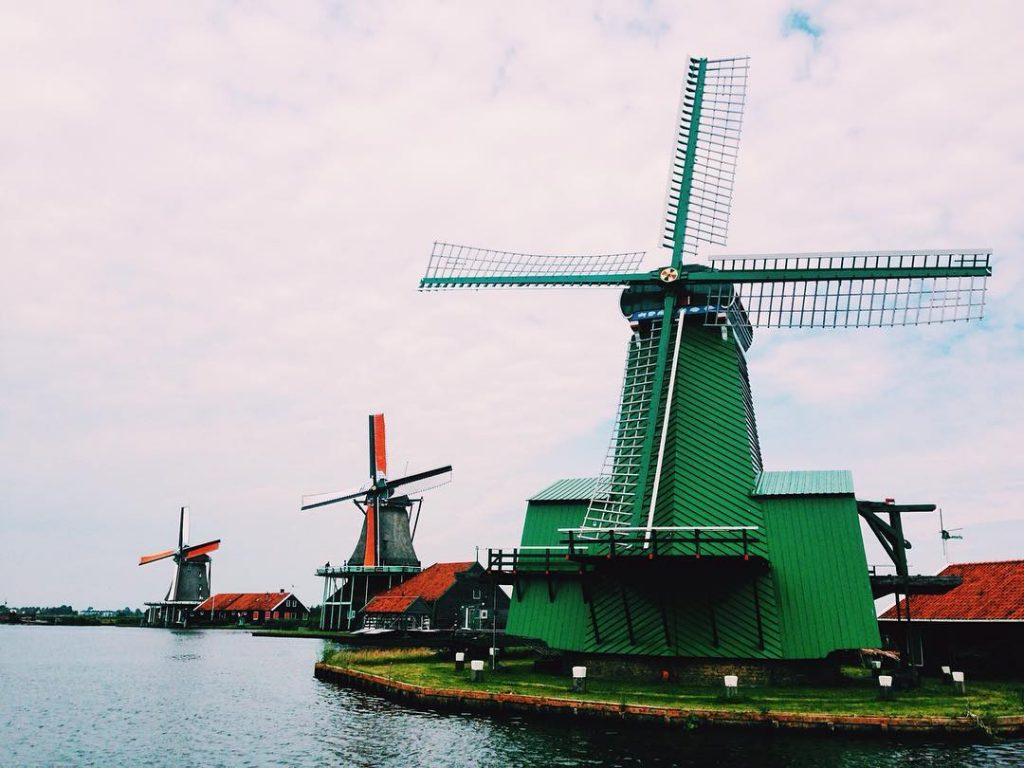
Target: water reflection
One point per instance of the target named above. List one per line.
(89, 696)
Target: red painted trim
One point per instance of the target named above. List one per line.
(380, 452)
(370, 551)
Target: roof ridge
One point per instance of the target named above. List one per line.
(991, 562)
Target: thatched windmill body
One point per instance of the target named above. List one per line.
(384, 554)
(191, 583)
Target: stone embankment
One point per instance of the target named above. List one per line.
(519, 704)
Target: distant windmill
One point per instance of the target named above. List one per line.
(384, 554)
(191, 583)
(947, 534)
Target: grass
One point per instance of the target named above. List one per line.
(856, 695)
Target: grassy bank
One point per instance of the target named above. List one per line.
(857, 695)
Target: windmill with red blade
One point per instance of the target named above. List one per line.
(384, 554)
(191, 584)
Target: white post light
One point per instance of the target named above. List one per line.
(460, 661)
(959, 684)
(579, 679)
(476, 670)
(885, 686)
(732, 683)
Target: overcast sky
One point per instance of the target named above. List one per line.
(213, 218)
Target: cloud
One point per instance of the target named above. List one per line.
(214, 221)
(799, 22)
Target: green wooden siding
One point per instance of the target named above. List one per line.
(709, 469)
(816, 597)
(821, 574)
(687, 605)
(543, 519)
(563, 624)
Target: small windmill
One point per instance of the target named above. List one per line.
(947, 534)
(191, 583)
(684, 461)
(384, 551)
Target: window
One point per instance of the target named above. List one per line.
(476, 594)
(277, 614)
(255, 615)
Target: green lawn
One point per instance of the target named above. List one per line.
(857, 695)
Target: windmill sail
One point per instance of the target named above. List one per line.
(463, 266)
(158, 556)
(703, 171)
(186, 524)
(201, 549)
(849, 290)
(421, 481)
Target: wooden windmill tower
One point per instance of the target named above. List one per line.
(384, 554)
(191, 583)
(684, 546)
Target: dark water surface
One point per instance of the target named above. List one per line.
(117, 696)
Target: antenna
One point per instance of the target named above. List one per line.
(946, 534)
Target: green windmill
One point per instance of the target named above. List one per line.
(684, 546)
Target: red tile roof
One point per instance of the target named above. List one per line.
(393, 604)
(430, 583)
(990, 592)
(245, 601)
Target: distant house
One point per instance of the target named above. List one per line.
(251, 607)
(443, 596)
(976, 627)
(93, 613)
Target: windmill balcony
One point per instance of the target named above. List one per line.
(697, 547)
(693, 542)
(346, 568)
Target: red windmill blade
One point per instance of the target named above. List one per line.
(378, 495)
(158, 556)
(201, 549)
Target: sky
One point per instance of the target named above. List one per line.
(214, 217)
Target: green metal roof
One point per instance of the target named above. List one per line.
(570, 489)
(830, 482)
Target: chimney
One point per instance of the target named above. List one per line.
(281, 591)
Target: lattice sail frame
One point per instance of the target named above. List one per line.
(459, 262)
(615, 494)
(719, 116)
(830, 294)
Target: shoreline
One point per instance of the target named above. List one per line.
(462, 699)
(393, 640)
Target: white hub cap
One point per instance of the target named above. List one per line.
(669, 275)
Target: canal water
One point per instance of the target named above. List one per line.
(88, 696)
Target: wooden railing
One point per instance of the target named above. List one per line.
(587, 544)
